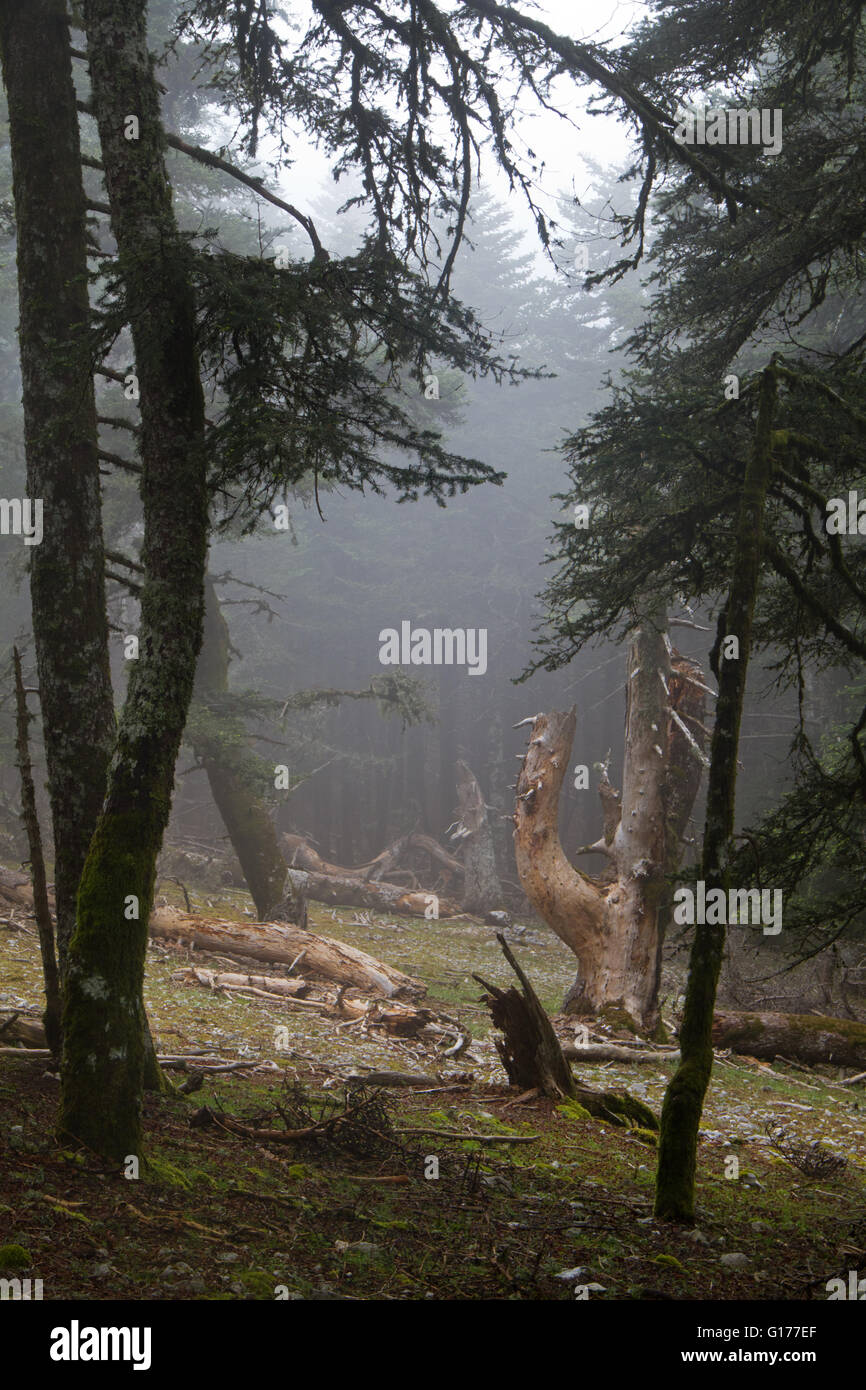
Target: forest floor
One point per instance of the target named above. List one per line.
(356, 1212)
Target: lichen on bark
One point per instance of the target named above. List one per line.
(67, 570)
(684, 1098)
(104, 1034)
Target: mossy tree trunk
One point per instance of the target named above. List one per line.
(684, 1098)
(104, 1047)
(221, 745)
(67, 570)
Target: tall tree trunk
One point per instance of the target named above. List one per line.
(67, 570)
(44, 923)
(104, 1049)
(221, 745)
(482, 891)
(611, 923)
(684, 1098)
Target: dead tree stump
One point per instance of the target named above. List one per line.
(532, 1055)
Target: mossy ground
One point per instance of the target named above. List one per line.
(215, 1216)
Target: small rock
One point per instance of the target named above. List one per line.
(760, 1227)
(735, 1259)
(698, 1237)
(571, 1276)
(190, 1286)
(100, 1271)
(227, 1257)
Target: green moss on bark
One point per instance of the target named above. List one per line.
(67, 570)
(684, 1098)
(104, 1056)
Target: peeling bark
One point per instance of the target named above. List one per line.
(612, 923)
(42, 910)
(482, 891)
(281, 943)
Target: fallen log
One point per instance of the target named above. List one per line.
(375, 1079)
(226, 979)
(300, 854)
(279, 944)
(16, 891)
(809, 1038)
(19, 1027)
(340, 891)
(608, 1052)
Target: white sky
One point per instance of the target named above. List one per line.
(557, 143)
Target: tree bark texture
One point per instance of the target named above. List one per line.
(612, 923)
(482, 891)
(104, 1022)
(221, 745)
(41, 906)
(67, 570)
(684, 1098)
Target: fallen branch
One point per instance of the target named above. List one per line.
(608, 1052)
(390, 1078)
(477, 1138)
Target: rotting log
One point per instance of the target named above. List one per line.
(279, 943)
(809, 1038)
(223, 979)
(609, 1052)
(21, 1028)
(276, 943)
(380, 897)
(401, 1020)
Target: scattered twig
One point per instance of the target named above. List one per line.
(478, 1138)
